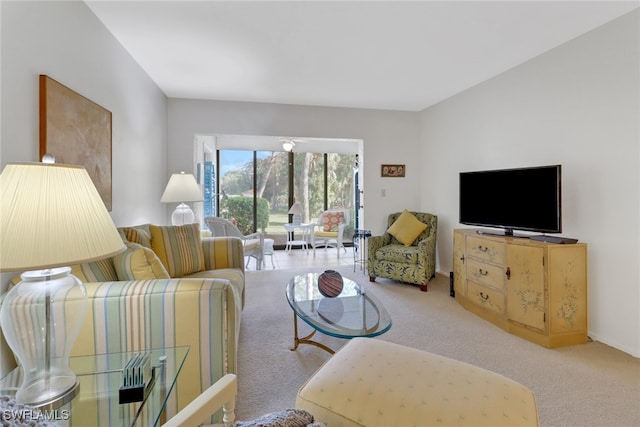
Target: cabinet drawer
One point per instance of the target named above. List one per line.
(485, 249)
(486, 298)
(487, 274)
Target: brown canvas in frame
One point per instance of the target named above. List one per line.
(76, 131)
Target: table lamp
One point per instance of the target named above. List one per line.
(51, 216)
(182, 188)
(296, 211)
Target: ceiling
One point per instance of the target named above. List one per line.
(389, 55)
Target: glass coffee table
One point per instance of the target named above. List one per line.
(100, 378)
(351, 314)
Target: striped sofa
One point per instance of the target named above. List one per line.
(179, 303)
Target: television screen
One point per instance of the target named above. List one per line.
(513, 199)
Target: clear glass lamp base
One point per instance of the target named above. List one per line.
(182, 215)
(41, 318)
(49, 393)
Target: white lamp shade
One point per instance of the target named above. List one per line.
(296, 209)
(182, 187)
(51, 215)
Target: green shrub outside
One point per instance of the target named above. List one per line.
(241, 208)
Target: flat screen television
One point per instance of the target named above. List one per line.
(513, 199)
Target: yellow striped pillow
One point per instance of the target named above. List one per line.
(178, 247)
(95, 271)
(138, 263)
(139, 235)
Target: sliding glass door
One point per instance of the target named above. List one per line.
(257, 188)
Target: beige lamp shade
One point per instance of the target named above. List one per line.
(296, 209)
(182, 187)
(51, 215)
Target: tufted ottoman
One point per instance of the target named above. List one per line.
(370, 382)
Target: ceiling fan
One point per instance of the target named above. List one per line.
(289, 143)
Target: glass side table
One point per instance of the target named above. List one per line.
(100, 376)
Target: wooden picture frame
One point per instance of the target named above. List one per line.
(392, 171)
(76, 131)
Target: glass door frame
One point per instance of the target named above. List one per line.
(258, 143)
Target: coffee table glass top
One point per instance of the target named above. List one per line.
(351, 314)
(100, 377)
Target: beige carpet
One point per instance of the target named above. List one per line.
(583, 385)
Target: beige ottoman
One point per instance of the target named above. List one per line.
(370, 382)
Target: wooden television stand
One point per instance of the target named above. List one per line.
(533, 289)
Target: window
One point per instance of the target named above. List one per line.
(256, 188)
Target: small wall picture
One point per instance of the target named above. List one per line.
(392, 171)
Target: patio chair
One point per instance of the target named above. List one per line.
(253, 244)
(329, 230)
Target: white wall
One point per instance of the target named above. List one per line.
(389, 137)
(576, 105)
(66, 41)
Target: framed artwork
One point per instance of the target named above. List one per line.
(76, 131)
(392, 171)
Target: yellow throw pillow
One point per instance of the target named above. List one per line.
(406, 228)
(138, 263)
(138, 234)
(95, 271)
(178, 247)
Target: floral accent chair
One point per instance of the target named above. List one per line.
(399, 255)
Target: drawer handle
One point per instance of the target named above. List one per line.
(483, 272)
(508, 273)
(482, 248)
(484, 296)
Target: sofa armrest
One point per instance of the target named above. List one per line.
(223, 252)
(203, 314)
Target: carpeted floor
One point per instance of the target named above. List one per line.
(583, 385)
